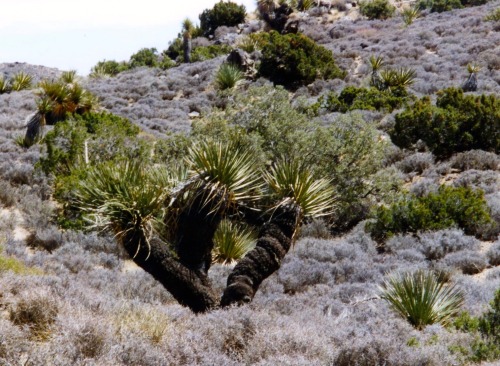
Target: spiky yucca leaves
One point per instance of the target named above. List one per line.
(224, 171)
(409, 15)
(376, 63)
(125, 199)
(304, 5)
(56, 100)
(228, 76)
(473, 68)
(4, 85)
(289, 182)
(232, 241)
(21, 81)
(421, 298)
(399, 78)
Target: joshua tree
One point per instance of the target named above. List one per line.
(166, 222)
(471, 82)
(56, 100)
(376, 63)
(187, 34)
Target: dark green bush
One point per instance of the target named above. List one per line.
(223, 13)
(209, 52)
(448, 207)
(376, 9)
(352, 98)
(144, 57)
(447, 5)
(295, 59)
(108, 138)
(457, 123)
(110, 68)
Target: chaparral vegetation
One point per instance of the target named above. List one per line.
(316, 183)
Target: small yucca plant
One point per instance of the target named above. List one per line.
(400, 78)
(421, 299)
(376, 63)
(289, 182)
(473, 68)
(409, 15)
(4, 85)
(304, 5)
(228, 76)
(231, 242)
(21, 81)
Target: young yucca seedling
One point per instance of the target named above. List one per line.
(376, 63)
(409, 15)
(289, 182)
(232, 242)
(421, 299)
(228, 76)
(21, 81)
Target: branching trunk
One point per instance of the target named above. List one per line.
(190, 288)
(186, 277)
(275, 239)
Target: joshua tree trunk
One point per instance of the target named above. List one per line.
(190, 288)
(275, 239)
(189, 283)
(187, 46)
(471, 83)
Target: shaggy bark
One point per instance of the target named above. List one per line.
(184, 274)
(189, 287)
(187, 46)
(275, 239)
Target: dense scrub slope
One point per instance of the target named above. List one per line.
(73, 298)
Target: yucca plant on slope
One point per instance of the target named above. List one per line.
(21, 81)
(421, 298)
(4, 85)
(228, 76)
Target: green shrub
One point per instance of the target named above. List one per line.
(376, 9)
(294, 59)
(494, 16)
(421, 298)
(144, 57)
(96, 136)
(447, 5)
(486, 346)
(208, 52)
(223, 13)
(457, 123)
(352, 98)
(448, 207)
(108, 68)
(264, 121)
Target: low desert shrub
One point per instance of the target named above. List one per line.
(457, 123)
(421, 299)
(377, 9)
(448, 207)
(476, 159)
(293, 60)
(228, 14)
(467, 261)
(493, 16)
(144, 57)
(203, 53)
(36, 311)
